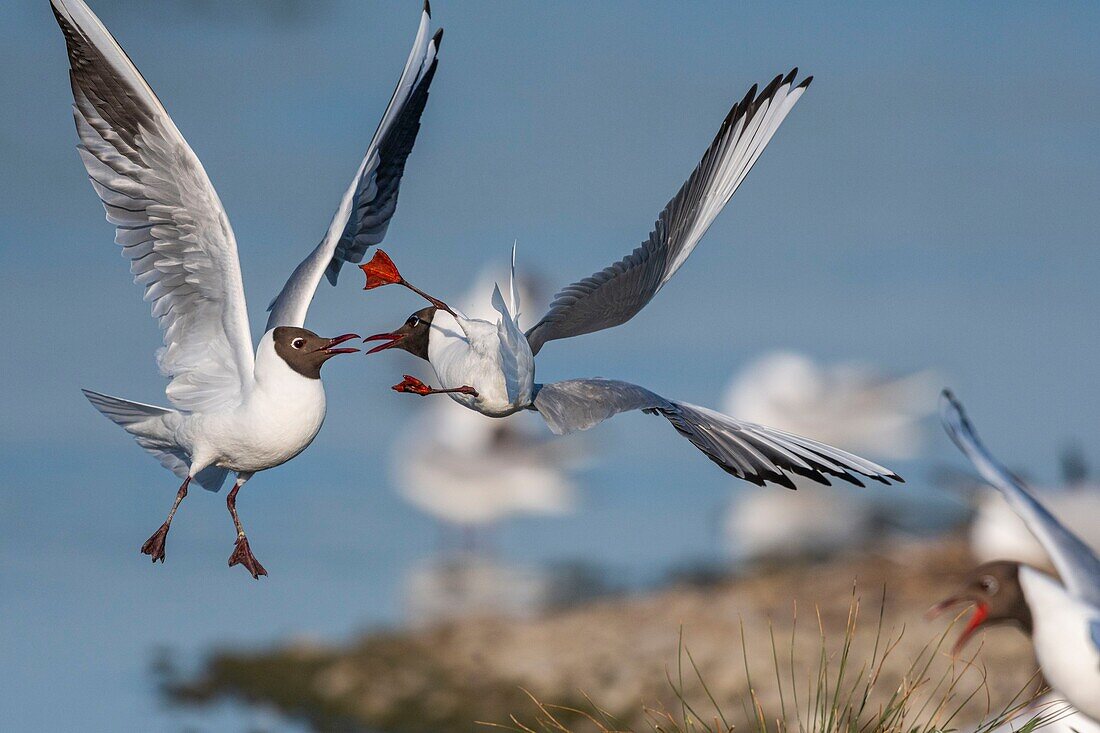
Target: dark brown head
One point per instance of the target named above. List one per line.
(994, 591)
(305, 352)
(412, 336)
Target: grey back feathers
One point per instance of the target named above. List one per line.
(752, 452)
(617, 293)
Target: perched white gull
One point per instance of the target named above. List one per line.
(472, 472)
(1062, 616)
(489, 366)
(850, 404)
(235, 410)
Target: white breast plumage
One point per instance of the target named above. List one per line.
(1063, 642)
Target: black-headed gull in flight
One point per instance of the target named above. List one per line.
(470, 472)
(489, 367)
(234, 410)
(1063, 618)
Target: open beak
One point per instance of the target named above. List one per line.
(391, 339)
(330, 347)
(981, 613)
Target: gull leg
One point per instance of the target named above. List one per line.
(415, 386)
(242, 553)
(154, 546)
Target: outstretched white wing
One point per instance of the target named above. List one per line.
(371, 199)
(167, 215)
(752, 452)
(615, 294)
(1075, 562)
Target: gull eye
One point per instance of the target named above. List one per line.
(413, 321)
(298, 342)
(989, 584)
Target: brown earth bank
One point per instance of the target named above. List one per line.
(625, 654)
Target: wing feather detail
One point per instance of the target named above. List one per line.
(617, 293)
(167, 216)
(755, 453)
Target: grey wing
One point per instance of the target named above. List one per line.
(370, 200)
(748, 451)
(167, 217)
(1075, 561)
(615, 294)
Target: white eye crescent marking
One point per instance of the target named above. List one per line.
(413, 321)
(298, 343)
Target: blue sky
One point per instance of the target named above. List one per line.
(931, 202)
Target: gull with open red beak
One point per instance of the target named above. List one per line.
(1062, 617)
(490, 366)
(235, 409)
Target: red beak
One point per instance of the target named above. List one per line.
(339, 340)
(981, 613)
(391, 339)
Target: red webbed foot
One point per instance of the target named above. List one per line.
(413, 385)
(380, 271)
(154, 546)
(242, 555)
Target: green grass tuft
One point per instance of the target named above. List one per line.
(852, 690)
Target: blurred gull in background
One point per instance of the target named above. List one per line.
(850, 404)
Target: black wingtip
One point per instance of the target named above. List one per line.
(428, 8)
(853, 480)
(948, 403)
(769, 91)
(781, 479)
(790, 76)
(437, 38)
(805, 82)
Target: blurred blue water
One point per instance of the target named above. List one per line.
(930, 202)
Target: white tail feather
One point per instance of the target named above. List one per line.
(146, 424)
